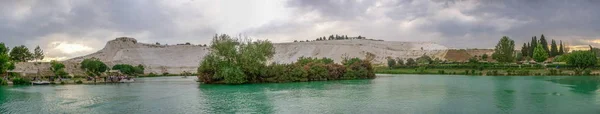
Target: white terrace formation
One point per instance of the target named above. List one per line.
(176, 59)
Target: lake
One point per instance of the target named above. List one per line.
(386, 94)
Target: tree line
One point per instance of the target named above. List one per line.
(539, 51)
(334, 37)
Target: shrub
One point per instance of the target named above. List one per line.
(79, 82)
(3, 82)
(587, 72)
(421, 70)
(553, 72)
(510, 72)
(523, 72)
(62, 82)
(441, 72)
(317, 71)
(21, 81)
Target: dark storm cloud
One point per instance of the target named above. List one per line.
(334, 9)
(519, 19)
(80, 17)
(455, 23)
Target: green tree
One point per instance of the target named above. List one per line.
(391, 62)
(525, 49)
(539, 54)
(504, 51)
(21, 54)
(410, 62)
(233, 61)
(484, 57)
(424, 59)
(5, 61)
(544, 43)
(534, 43)
(58, 69)
(519, 57)
(3, 48)
(5, 64)
(140, 69)
(38, 53)
(93, 66)
(561, 49)
(553, 49)
(399, 61)
(582, 59)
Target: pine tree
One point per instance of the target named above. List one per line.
(539, 55)
(38, 53)
(524, 49)
(561, 49)
(534, 43)
(544, 43)
(553, 49)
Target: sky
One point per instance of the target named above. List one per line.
(71, 28)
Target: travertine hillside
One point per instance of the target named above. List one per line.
(176, 59)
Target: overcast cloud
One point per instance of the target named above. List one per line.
(70, 28)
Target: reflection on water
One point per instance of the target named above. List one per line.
(504, 94)
(580, 84)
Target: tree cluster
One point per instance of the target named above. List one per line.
(338, 37)
(545, 51)
(238, 61)
(93, 66)
(129, 69)
(5, 62)
(58, 69)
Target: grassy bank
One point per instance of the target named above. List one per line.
(489, 72)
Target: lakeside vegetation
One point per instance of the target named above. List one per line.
(239, 61)
(534, 59)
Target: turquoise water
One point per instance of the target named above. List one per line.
(386, 94)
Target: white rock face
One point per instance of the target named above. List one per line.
(176, 59)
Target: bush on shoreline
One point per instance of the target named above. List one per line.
(21, 81)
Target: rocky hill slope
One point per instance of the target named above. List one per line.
(177, 59)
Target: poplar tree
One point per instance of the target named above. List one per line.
(539, 54)
(561, 49)
(534, 43)
(553, 49)
(544, 43)
(524, 49)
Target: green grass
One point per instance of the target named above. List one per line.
(461, 71)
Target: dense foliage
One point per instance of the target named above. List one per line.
(233, 61)
(551, 50)
(5, 62)
(504, 51)
(582, 59)
(20, 54)
(21, 81)
(93, 66)
(38, 53)
(539, 54)
(58, 69)
(129, 70)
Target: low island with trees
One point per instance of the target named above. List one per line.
(240, 61)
